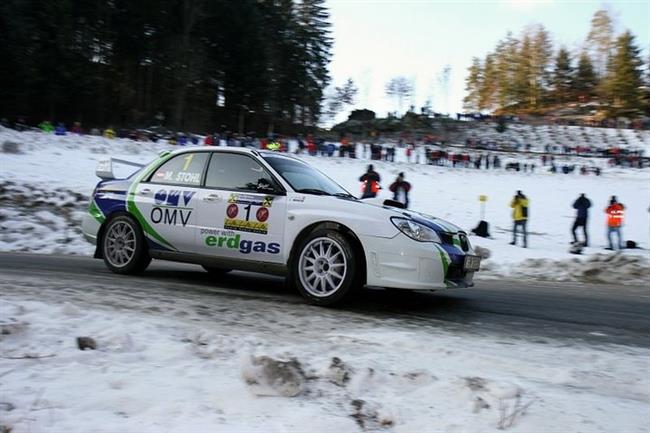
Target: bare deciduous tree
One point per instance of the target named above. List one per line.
(399, 88)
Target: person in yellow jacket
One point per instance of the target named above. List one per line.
(109, 133)
(274, 145)
(519, 207)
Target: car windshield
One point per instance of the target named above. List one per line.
(304, 178)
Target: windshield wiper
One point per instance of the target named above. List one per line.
(344, 195)
(313, 191)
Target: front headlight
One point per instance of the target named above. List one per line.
(415, 231)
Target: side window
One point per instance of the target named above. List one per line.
(236, 172)
(184, 169)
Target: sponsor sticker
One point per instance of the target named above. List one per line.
(251, 199)
(244, 204)
(246, 226)
(232, 210)
(172, 207)
(262, 214)
(243, 245)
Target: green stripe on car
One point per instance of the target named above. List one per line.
(96, 212)
(444, 258)
(133, 208)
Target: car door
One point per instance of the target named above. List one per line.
(166, 202)
(242, 210)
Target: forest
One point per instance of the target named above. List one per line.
(527, 74)
(244, 65)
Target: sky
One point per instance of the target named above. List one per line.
(376, 40)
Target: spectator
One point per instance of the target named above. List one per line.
(109, 133)
(76, 128)
(274, 145)
(519, 207)
(400, 189)
(370, 183)
(60, 129)
(209, 140)
(615, 213)
(581, 205)
(46, 126)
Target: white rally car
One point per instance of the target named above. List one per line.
(235, 208)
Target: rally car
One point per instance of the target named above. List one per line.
(260, 211)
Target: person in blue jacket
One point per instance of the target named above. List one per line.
(60, 129)
(581, 205)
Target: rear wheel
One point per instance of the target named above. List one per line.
(123, 246)
(324, 267)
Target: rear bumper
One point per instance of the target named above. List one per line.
(403, 263)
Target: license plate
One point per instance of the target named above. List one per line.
(472, 263)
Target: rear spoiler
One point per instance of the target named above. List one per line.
(105, 167)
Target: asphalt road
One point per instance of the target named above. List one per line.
(540, 312)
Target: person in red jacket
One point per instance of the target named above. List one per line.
(370, 183)
(209, 140)
(400, 189)
(615, 215)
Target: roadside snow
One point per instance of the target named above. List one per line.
(51, 171)
(285, 371)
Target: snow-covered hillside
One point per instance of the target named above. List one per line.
(538, 137)
(44, 188)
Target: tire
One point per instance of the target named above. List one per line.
(124, 247)
(324, 267)
(217, 272)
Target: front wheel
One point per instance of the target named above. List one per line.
(123, 246)
(324, 267)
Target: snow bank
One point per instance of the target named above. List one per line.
(615, 268)
(43, 221)
(156, 372)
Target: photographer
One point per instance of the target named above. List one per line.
(519, 207)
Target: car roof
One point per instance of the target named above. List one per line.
(246, 150)
(242, 150)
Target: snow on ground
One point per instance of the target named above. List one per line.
(54, 166)
(175, 366)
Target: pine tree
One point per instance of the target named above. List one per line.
(524, 75)
(623, 84)
(315, 43)
(489, 84)
(563, 90)
(585, 82)
(473, 84)
(646, 101)
(542, 54)
(506, 55)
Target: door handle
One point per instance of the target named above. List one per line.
(145, 191)
(212, 197)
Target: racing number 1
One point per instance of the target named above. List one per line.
(248, 211)
(188, 161)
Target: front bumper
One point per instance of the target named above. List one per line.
(403, 263)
